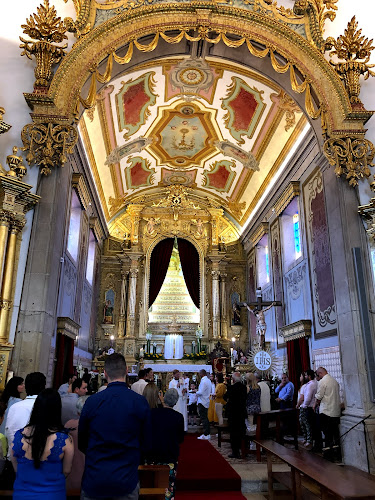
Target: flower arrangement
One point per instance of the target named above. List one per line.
(150, 355)
(197, 355)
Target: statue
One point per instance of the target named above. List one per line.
(150, 228)
(236, 313)
(108, 312)
(261, 326)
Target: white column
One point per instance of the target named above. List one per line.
(132, 300)
(215, 304)
(223, 304)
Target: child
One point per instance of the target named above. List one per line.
(192, 405)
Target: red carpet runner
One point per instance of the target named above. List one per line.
(204, 474)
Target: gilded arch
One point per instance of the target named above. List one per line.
(265, 35)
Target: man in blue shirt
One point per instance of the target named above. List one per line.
(285, 390)
(114, 428)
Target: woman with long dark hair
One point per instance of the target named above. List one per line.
(42, 452)
(11, 394)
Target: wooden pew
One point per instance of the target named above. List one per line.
(312, 476)
(277, 416)
(154, 479)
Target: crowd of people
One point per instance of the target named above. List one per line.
(53, 441)
(59, 441)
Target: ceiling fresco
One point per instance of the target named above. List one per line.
(214, 127)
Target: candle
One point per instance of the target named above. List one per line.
(141, 352)
(231, 357)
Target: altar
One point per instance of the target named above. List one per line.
(182, 367)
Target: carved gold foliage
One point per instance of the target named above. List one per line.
(48, 144)
(290, 107)
(236, 208)
(48, 30)
(351, 157)
(318, 11)
(355, 50)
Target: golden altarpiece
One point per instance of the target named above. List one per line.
(126, 271)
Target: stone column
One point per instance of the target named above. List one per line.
(346, 231)
(223, 303)
(215, 303)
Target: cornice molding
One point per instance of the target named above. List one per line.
(292, 190)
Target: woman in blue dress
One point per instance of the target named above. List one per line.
(42, 452)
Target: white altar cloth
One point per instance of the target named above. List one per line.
(180, 366)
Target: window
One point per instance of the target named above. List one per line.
(91, 258)
(74, 226)
(263, 262)
(297, 239)
(291, 234)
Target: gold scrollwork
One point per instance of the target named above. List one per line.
(48, 144)
(351, 157)
(4, 127)
(355, 50)
(318, 11)
(48, 30)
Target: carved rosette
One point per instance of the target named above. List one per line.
(351, 157)
(48, 144)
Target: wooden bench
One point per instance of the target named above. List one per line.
(312, 476)
(278, 416)
(153, 479)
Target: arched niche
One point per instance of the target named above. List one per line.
(202, 280)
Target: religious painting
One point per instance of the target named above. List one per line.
(320, 257)
(220, 176)
(183, 177)
(244, 107)
(109, 303)
(139, 174)
(133, 102)
(183, 136)
(236, 311)
(277, 278)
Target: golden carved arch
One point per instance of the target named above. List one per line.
(264, 35)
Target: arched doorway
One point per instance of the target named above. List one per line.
(174, 297)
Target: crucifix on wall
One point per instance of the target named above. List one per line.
(258, 308)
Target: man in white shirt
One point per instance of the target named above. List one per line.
(69, 401)
(178, 383)
(19, 413)
(265, 394)
(140, 385)
(327, 398)
(203, 393)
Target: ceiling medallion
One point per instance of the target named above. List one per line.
(183, 136)
(191, 76)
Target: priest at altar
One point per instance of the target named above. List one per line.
(181, 384)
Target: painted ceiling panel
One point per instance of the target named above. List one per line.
(210, 125)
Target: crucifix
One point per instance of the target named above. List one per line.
(258, 308)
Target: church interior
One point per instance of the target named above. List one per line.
(182, 182)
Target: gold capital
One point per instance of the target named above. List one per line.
(48, 144)
(351, 157)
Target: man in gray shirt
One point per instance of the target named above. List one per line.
(69, 401)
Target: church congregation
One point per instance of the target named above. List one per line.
(87, 438)
(187, 249)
